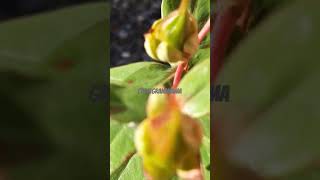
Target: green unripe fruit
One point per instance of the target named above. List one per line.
(173, 38)
(167, 140)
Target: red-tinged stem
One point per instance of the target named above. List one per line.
(182, 66)
(223, 28)
(204, 31)
(178, 75)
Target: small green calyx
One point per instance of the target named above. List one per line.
(173, 38)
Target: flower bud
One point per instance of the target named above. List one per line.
(157, 103)
(167, 139)
(173, 38)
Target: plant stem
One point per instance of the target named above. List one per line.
(181, 67)
(204, 31)
(224, 26)
(178, 75)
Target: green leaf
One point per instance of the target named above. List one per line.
(312, 173)
(205, 157)
(200, 56)
(59, 105)
(127, 103)
(271, 126)
(131, 75)
(168, 6)
(26, 43)
(120, 152)
(195, 87)
(201, 11)
(205, 147)
(133, 170)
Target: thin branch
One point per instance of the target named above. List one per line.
(224, 26)
(204, 31)
(178, 74)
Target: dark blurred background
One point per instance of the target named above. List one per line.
(130, 19)
(14, 8)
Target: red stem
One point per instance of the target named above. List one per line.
(223, 28)
(178, 75)
(182, 66)
(204, 31)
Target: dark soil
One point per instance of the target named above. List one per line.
(130, 19)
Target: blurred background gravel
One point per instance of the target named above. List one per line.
(130, 19)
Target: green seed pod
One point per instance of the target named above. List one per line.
(167, 140)
(173, 38)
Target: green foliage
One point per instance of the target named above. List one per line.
(48, 63)
(36, 39)
(271, 126)
(205, 148)
(196, 95)
(120, 152)
(128, 106)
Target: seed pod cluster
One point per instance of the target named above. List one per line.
(167, 140)
(173, 38)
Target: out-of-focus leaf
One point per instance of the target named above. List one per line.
(201, 11)
(195, 87)
(26, 43)
(130, 78)
(70, 45)
(17, 134)
(312, 173)
(262, 8)
(168, 6)
(133, 170)
(200, 56)
(271, 126)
